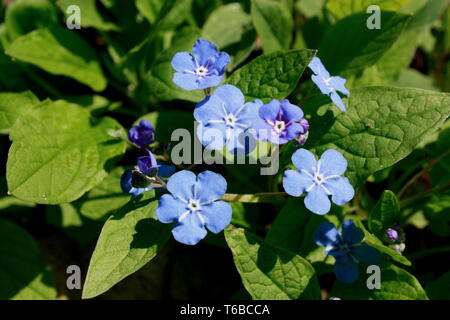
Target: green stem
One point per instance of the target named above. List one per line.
(263, 197)
(411, 200)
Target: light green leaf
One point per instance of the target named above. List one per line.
(130, 238)
(275, 33)
(351, 47)
(167, 13)
(61, 52)
(343, 8)
(57, 155)
(12, 105)
(382, 125)
(269, 272)
(385, 213)
(272, 76)
(396, 284)
(24, 274)
(428, 13)
(90, 15)
(414, 79)
(373, 241)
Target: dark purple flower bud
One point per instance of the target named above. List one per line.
(147, 165)
(392, 234)
(301, 139)
(143, 134)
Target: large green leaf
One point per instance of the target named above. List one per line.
(168, 14)
(385, 213)
(269, 272)
(24, 274)
(343, 8)
(61, 52)
(57, 155)
(130, 238)
(350, 46)
(272, 76)
(396, 284)
(438, 289)
(275, 33)
(382, 125)
(12, 105)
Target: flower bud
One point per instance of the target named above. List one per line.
(143, 134)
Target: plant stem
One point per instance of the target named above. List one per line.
(264, 197)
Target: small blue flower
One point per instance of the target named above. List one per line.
(327, 84)
(280, 122)
(142, 135)
(203, 69)
(346, 248)
(193, 205)
(148, 165)
(225, 118)
(319, 179)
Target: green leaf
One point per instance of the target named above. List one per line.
(12, 105)
(428, 13)
(438, 289)
(24, 274)
(269, 272)
(61, 52)
(350, 46)
(57, 155)
(105, 198)
(414, 79)
(384, 214)
(168, 14)
(275, 33)
(90, 15)
(343, 8)
(396, 284)
(130, 238)
(272, 76)
(373, 241)
(24, 16)
(382, 125)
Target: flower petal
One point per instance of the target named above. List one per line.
(270, 111)
(350, 233)
(326, 235)
(295, 182)
(213, 135)
(293, 131)
(304, 160)
(183, 61)
(317, 201)
(220, 63)
(209, 81)
(211, 186)
(181, 185)
(290, 111)
(190, 230)
(332, 163)
(321, 84)
(366, 253)
(318, 68)
(231, 96)
(209, 110)
(346, 269)
(165, 170)
(341, 190)
(169, 209)
(203, 51)
(186, 81)
(249, 112)
(338, 83)
(241, 142)
(337, 100)
(217, 216)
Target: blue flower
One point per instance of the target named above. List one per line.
(280, 122)
(193, 205)
(143, 134)
(328, 85)
(346, 248)
(203, 69)
(319, 179)
(224, 118)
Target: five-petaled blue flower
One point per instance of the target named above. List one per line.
(135, 181)
(203, 69)
(319, 179)
(327, 84)
(346, 248)
(143, 134)
(193, 205)
(280, 122)
(225, 118)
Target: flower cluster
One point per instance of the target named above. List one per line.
(347, 248)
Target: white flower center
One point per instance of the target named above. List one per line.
(279, 126)
(319, 178)
(194, 205)
(201, 71)
(230, 120)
